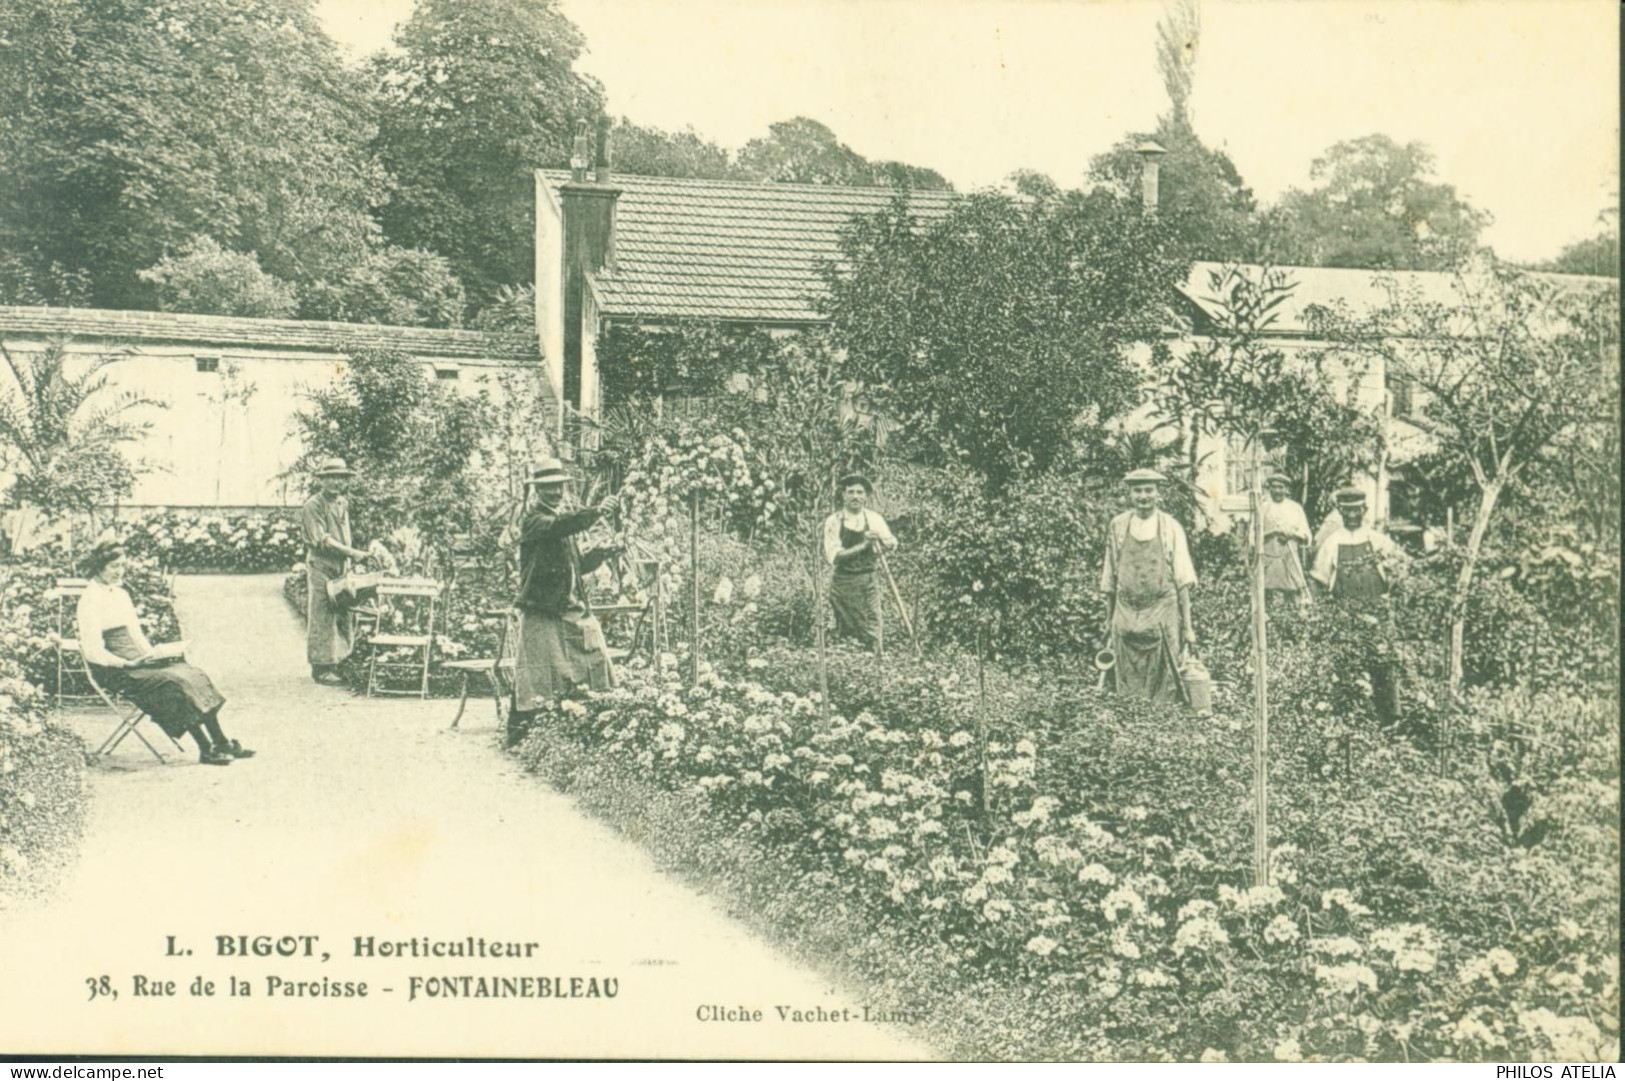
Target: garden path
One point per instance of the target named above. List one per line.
(366, 817)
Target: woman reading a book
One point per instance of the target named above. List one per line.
(177, 695)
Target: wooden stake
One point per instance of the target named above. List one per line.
(694, 575)
(818, 631)
(1261, 725)
(981, 711)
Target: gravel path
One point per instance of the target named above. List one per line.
(367, 818)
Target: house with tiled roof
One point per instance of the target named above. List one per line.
(653, 250)
(232, 387)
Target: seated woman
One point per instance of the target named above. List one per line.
(177, 695)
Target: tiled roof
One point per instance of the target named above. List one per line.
(138, 327)
(713, 249)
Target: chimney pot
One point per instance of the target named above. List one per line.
(580, 153)
(601, 159)
(1150, 164)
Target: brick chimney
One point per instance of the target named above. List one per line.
(587, 203)
(1150, 165)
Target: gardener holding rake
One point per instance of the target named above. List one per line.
(854, 540)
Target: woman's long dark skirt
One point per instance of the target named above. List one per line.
(177, 696)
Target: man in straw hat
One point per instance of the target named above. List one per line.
(854, 537)
(1354, 564)
(1147, 578)
(325, 518)
(560, 642)
(1286, 532)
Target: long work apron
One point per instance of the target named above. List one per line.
(1145, 621)
(852, 591)
(559, 651)
(1359, 581)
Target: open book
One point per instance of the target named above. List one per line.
(165, 653)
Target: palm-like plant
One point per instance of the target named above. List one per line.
(61, 435)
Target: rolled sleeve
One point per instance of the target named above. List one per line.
(1325, 561)
(1184, 569)
(878, 524)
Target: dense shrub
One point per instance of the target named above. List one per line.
(43, 793)
(190, 542)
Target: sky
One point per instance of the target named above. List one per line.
(1517, 99)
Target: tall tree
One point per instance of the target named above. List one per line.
(803, 151)
(1179, 32)
(1510, 367)
(1597, 255)
(1375, 206)
(477, 94)
(998, 336)
(132, 126)
(647, 151)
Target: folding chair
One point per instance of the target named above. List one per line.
(419, 641)
(498, 670)
(66, 592)
(130, 717)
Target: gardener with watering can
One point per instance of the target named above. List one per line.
(1147, 577)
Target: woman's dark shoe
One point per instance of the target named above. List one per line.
(215, 758)
(238, 750)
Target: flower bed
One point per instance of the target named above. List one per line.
(43, 794)
(191, 542)
(1109, 867)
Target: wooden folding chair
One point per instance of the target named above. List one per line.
(65, 595)
(498, 670)
(130, 717)
(420, 640)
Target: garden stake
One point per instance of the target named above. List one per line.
(694, 574)
(981, 712)
(1261, 729)
(897, 596)
(818, 634)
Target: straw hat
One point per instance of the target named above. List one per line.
(547, 471)
(1141, 476)
(333, 467)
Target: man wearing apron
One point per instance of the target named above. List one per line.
(1286, 531)
(325, 521)
(854, 537)
(1147, 577)
(1349, 565)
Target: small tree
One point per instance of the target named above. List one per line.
(412, 443)
(1001, 334)
(63, 435)
(1513, 364)
(1237, 381)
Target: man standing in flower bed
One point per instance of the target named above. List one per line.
(854, 539)
(560, 642)
(1286, 531)
(1350, 565)
(325, 517)
(1147, 578)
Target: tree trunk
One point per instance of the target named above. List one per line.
(1464, 581)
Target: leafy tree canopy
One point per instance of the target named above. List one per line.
(209, 280)
(803, 151)
(999, 336)
(132, 126)
(479, 93)
(648, 151)
(1375, 206)
(1597, 255)
(396, 287)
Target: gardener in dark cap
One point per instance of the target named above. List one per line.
(325, 519)
(561, 644)
(1147, 577)
(1355, 564)
(854, 537)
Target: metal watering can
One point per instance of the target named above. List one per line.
(1198, 685)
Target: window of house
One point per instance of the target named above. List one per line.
(447, 371)
(1399, 396)
(208, 364)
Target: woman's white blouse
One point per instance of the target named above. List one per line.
(102, 608)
